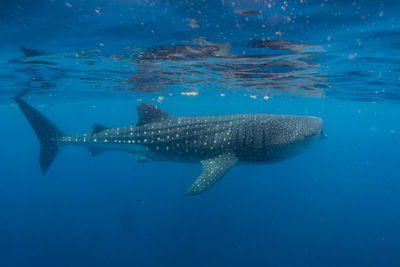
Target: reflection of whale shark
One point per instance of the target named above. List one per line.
(286, 45)
(202, 61)
(32, 52)
(200, 49)
(218, 142)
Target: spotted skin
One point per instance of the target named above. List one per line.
(251, 137)
(218, 142)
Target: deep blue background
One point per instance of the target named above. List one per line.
(335, 205)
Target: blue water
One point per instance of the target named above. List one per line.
(337, 204)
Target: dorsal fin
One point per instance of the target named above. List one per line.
(149, 113)
(98, 128)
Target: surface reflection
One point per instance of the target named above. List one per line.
(260, 66)
(210, 64)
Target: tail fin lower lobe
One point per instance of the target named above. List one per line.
(46, 132)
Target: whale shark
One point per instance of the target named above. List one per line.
(217, 142)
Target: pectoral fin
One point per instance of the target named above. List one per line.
(213, 170)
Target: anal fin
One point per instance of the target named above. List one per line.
(213, 170)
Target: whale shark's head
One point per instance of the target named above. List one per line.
(289, 134)
(287, 129)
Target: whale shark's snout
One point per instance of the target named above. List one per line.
(313, 127)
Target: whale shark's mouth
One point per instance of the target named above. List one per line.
(323, 135)
(319, 134)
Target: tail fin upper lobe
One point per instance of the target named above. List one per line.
(46, 132)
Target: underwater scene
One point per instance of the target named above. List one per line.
(200, 133)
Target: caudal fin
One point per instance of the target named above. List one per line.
(46, 132)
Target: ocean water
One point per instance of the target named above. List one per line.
(86, 62)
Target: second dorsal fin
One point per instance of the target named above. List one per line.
(149, 113)
(98, 128)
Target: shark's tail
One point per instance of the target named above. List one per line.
(45, 130)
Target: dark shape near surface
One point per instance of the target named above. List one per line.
(285, 45)
(32, 52)
(247, 12)
(217, 142)
(199, 50)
